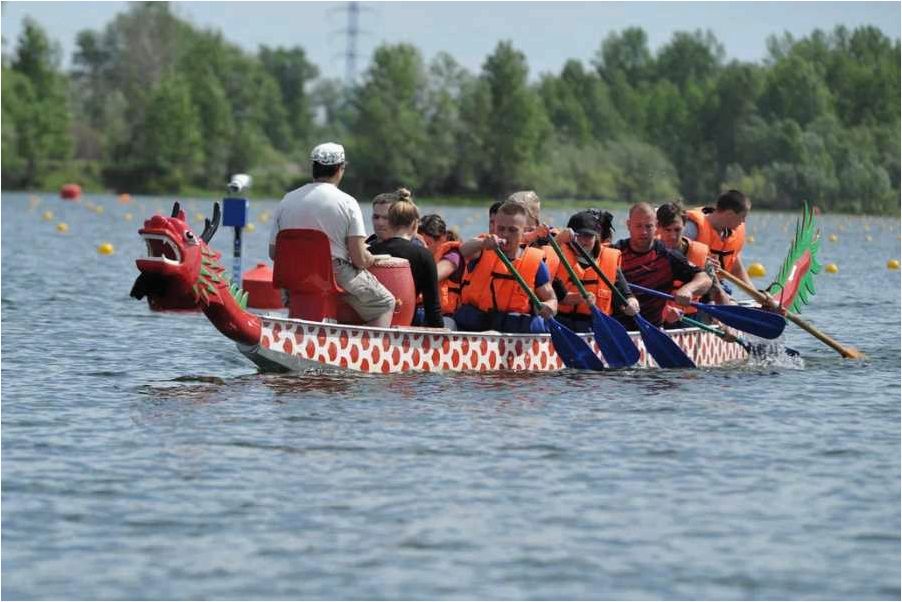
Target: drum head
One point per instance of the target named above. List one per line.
(387, 261)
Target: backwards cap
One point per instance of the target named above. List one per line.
(328, 153)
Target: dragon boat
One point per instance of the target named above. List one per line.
(182, 273)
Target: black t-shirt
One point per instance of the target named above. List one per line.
(657, 268)
(425, 278)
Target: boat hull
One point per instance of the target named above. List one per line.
(297, 345)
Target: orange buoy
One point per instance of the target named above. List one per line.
(261, 294)
(124, 198)
(70, 192)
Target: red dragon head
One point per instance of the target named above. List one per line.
(172, 268)
(181, 273)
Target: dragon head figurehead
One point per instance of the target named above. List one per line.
(181, 273)
(171, 269)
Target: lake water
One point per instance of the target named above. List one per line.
(144, 458)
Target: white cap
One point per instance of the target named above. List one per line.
(328, 153)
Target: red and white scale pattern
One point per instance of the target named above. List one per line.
(302, 344)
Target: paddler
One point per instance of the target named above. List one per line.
(449, 262)
(537, 233)
(671, 219)
(722, 228)
(491, 299)
(403, 219)
(320, 205)
(589, 229)
(646, 261)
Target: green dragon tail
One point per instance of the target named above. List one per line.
(794, 285)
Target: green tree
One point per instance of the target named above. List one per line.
(642, 172)
(447, 83)
(689, 57)
(516, 123)
(38, 110)
(390, 145)
(737, 90)
(173, 148)
(293, 74)
(794, 90)
(216, 126)
(625, 53)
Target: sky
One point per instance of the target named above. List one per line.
(548, 33)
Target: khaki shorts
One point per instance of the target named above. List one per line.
(364, 293)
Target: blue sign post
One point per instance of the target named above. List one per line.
(234, 214)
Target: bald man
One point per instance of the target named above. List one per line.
(647, 262)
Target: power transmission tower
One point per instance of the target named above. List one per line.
(352, 32)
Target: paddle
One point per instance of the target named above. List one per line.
(661, 347)
(847, 352)
(574, 351)
(614, 342)
(744, 343)
(764, 324)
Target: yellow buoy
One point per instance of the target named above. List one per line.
(128, 217)
(264, 217)
(831, 268)
(833, 238)
(750, 240)
(62, 227)
(47, 215)
(98, 209)
(756, 270)
(199, 217)
(869, 238)
(892, 264)
(105, 248)
(250, 227)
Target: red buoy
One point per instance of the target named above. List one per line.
(70, 192)
(261, 294)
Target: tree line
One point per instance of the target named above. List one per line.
(153, 104)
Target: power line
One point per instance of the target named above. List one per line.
(352, 32)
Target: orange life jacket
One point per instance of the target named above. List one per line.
(697, 255)
(551, 258)
(727, 249)
(608, 260)
(448, 290)
(489, 286)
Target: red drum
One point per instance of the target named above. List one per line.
(394, 273)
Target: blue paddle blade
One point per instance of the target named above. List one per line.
(758, 322)
(573, 349)
(764, 324)
(661, 347)
(614, 342)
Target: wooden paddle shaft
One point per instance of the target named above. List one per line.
(848, 352)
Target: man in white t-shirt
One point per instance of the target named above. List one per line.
(320, 205)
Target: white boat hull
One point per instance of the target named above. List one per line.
(296, 345)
